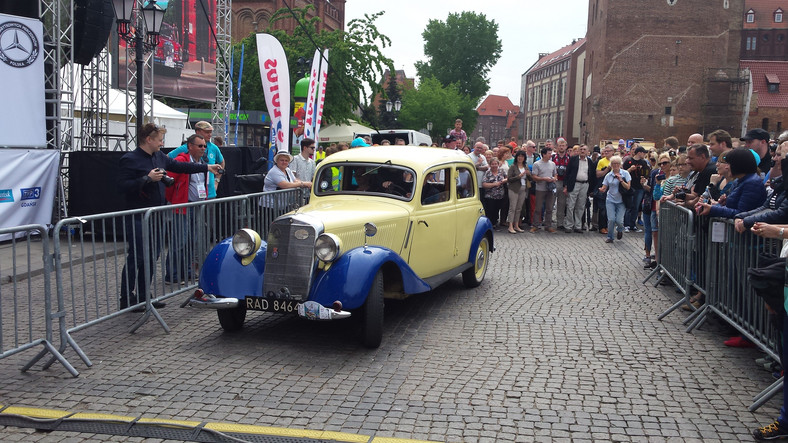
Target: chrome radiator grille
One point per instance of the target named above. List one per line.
(289, 260)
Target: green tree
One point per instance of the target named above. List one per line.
(441, 105)
(462, 49)
(355, 58)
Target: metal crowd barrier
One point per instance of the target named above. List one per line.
(710, 256)
(729, 295)
(23, 325)
(89, 262)
(676, 248)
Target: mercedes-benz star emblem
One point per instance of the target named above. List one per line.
(19, 46)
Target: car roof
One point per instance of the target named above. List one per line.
(417, 158)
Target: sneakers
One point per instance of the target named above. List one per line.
(739, 342)
(620, 234)
(646, 260)
(771, 432)
(578, 231)
(640, 221)
(608, 240)
(636, 230)
(626, 229)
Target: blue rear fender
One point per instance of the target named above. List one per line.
(483, 228)
(223, 274)
(350, 277)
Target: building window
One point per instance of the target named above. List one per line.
(668, 110)
(750, 16)
(778, 16)
(563, 91)
(774, 87)
(751, 43)
(780, 38)
(765, 37)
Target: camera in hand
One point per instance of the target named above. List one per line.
(661, 176)
(168, 181)
(681, 193)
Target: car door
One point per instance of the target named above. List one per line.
(433, 223)
(468, 209)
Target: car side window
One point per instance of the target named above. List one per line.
(465, 188)
(436, 187)
(330, 180)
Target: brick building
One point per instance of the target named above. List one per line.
(765, 30)
(497, 115)
(550, 96)
(660, 68)
(251, 16)
(769, 103)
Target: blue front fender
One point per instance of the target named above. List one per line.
(350, 277)
(223, 274)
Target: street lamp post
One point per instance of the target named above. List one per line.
(397, 105)
(141, 41)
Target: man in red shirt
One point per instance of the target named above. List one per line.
(561, 160)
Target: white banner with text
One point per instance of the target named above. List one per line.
(28, 180)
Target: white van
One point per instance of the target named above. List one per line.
(410, 136)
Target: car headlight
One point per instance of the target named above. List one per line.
(246, 242)
(327, 247)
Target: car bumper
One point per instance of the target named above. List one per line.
(309, 310)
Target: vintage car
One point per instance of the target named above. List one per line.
(381, 223)
(167, 56)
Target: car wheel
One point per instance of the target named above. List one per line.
(232, 320)
(473, 276)
(372, 314)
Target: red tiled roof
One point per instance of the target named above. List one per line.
(764, 14)
(496, 105)
(558, 55)
(760, 71)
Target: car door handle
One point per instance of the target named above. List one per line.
(425, 223)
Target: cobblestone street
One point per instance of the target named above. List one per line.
(561, 341)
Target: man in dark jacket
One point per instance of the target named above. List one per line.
(579, 182)
(140, 179)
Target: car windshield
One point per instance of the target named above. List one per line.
(381, 179)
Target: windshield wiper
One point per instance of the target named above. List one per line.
(387, 163)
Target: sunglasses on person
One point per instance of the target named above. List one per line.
(664, 163)
(200, 146)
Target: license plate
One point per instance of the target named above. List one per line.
(271, 305)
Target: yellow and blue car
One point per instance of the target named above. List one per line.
(382, 222)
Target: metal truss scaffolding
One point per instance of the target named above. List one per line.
(58, 18)
(223, 80)
(94, 104)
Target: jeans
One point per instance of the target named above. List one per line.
(179, 256)
(647, 238)
(633, 206)
(615, 217)
(600, 205)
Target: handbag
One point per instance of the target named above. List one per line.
(626, 192)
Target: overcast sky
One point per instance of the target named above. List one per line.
(525, 27)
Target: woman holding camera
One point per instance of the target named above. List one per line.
(615, 181)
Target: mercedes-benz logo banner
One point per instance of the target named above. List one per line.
(22, 110)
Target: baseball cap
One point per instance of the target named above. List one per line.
(756, 134)
(205, 126)
(449, 138)
(640, 149)
(621, 141)
(358, 143)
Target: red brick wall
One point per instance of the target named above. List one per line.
(639, 66)
(247, 12)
